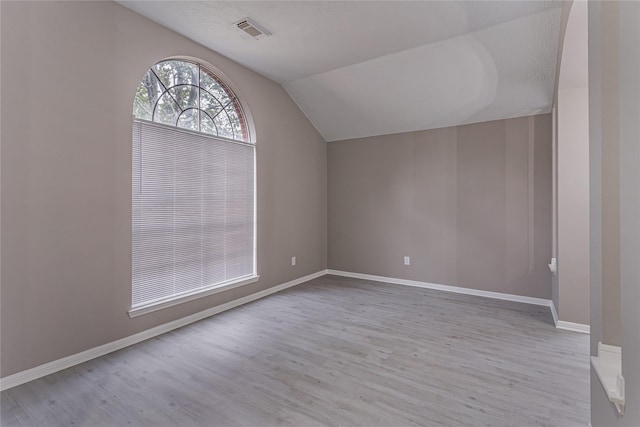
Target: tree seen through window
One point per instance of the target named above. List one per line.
(187, 95)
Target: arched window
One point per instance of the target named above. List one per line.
(193, 188)
(187, 95)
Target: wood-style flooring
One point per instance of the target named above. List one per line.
(331, 352)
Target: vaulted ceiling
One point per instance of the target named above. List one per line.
(359, 68)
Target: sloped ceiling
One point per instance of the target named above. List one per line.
(370, 68)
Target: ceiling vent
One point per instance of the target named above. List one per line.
(250, 27)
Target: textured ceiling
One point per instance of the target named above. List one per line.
(369, 68)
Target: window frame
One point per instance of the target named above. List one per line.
(236, 99)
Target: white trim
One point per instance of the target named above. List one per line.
(190, 296)
(445, 288)
(608, 367)
(609, 349)
(75, 359)
(574, 327)
(554, 313)
(560, 324)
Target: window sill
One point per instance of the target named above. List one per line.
(608, 367)
(200, 293)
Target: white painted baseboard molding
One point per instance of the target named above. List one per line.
(560, 324)
(445, 288)
(84, 356)
(568, 326)
(574, 327)
(608, 367)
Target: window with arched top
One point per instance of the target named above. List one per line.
(193, 188)
(189, 96)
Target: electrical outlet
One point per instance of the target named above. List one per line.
(407, 260)
(293, 260)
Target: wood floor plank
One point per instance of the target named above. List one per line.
(331, 352)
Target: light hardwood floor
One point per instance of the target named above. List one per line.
(331, 352)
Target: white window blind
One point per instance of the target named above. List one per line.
(193, 212)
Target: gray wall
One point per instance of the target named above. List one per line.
(604, 126)
(573, 205)
(555, 291)
(69, 73)
(614, 108)
(471, 205)
(564, 19)
(570, 287)
(610, 158)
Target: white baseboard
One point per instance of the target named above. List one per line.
(446, 288)
(574, 327)
(560, 324)
(84, 356)
(568, 326)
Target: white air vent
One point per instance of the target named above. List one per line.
(250, 27)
